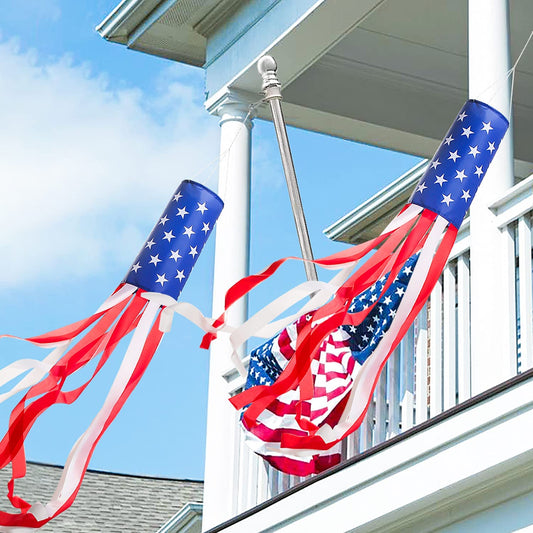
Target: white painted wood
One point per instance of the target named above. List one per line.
(355, 443)
(367, 428)
(231, 264)
(421, 366)
(239, 472)
(514, 203)
(463, 328)
(408, 379)
(449, 337)
(380, 394)
(250, 480)
(273, 480)
(346, 448)
(293, 480)
(285, 482)
(525, 292)
(296, 34)
(462, 242)
(393, 392)
(510, 327)
(350, 445)
(435, 352)
(263, 486)
(488, 64)
(407, 412)
(423, 483)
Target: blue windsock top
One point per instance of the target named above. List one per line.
(461, 162)
(170, 252)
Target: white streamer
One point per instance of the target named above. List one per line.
(38, 369)
(79, 455)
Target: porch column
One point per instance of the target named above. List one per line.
(231, 264)
(491, 254)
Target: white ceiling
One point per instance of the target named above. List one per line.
(408, 62)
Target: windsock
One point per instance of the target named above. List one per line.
(139, 305)
(310, 385)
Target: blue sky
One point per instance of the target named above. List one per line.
(95, 139)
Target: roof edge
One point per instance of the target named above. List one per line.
(123, 474)
(189, 514)
(124, 19)
(381, 201)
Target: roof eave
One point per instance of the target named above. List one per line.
(135, 24)
(368, 218)
(124, 19)
(190, 514)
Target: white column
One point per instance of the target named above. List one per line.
(231, 264)
(493, 316)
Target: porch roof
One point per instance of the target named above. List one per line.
(368, 71)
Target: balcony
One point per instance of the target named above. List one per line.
(423, 407)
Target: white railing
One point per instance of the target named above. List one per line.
(430, 371)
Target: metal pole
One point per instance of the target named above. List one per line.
(272, 90)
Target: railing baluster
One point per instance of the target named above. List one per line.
(509, 325)
(242, 471)
(407, 381)
(524, 283)
(355, 442)
(350, 445)
(421, 366)
(393, 392)
(275, 485)
(449, 332)
(285, 482)
(367, 428)
(253, 465)
(381, 408)
(263, 485)
(435, 337)
(463, 328)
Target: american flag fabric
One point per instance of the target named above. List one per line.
(295, 409)
(333, 368)
(151, 285)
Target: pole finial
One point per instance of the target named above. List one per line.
(265, 64)
(267, 67)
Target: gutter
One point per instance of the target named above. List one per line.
(385, 202)
(124, 19)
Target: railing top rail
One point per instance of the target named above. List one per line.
(451, 412)
(514, 203)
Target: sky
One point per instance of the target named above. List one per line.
(95, 140)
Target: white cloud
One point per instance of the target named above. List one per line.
(86, 168)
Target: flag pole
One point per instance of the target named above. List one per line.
(272, 90)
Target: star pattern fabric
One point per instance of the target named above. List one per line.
(457, 169)
(268, 360)
(171, 250)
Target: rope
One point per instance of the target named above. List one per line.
(206, 170)
(497, 84)
(513, 68)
